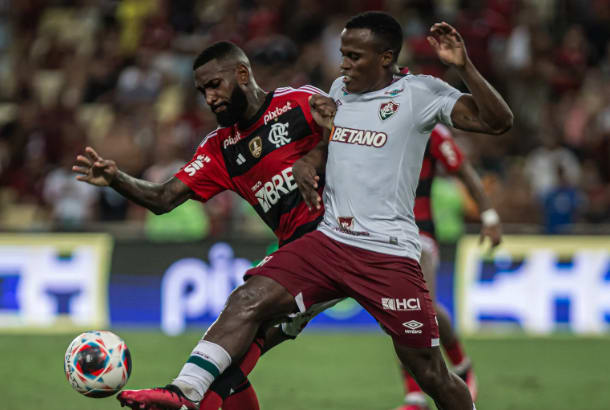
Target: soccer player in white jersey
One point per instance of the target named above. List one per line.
(367, 246)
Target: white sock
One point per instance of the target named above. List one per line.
(207, 361)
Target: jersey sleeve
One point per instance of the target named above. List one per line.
(336, 89)
(205, 174)
(435, 101)
(444, 148)
(311, 90)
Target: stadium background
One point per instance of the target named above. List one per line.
(117, 75)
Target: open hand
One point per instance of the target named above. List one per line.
(323, 110)
(94, 169)
(448, 44)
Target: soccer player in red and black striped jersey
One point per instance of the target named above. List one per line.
(260, 135)
(443, 150)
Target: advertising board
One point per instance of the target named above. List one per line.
(538, 284)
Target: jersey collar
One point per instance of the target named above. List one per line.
(258, 115)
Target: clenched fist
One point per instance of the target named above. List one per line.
(323, 110)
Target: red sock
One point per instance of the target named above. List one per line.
(211, 401)
(244, 397)
(411, 385)
(243, 400)
(455, 353)
(251, 357)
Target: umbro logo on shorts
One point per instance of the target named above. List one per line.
(413, 327)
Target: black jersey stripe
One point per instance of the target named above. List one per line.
(274, 211)
(251, 149)
(303, 229)
(426, 225)
(424, 188)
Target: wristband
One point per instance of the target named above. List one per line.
(490, 217)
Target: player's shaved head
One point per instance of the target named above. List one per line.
(383, 26)
(221, 51)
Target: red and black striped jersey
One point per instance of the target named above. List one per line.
(441, 147)
(256, 162)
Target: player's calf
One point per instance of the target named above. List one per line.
(429, 370)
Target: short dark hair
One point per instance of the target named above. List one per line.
(382, 25)
(219, 50)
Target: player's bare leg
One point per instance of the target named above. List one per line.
(448, 337)
(428, 367)
(257, 301)
(414, 398)
(233, 390)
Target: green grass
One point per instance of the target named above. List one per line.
(354, 371)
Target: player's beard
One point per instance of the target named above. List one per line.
(236, 107)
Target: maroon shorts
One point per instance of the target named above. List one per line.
(316, 268)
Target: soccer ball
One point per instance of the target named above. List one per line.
(97, 363)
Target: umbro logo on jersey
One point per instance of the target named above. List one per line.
(386, 110)
(359, 137)
(279, 134)
(271, 115)
(413, 327)
(240, 159)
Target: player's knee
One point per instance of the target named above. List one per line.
(247, 303)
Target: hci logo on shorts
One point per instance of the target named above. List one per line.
(400, 305)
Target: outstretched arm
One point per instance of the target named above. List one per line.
(159, 198)
(484, 110)
(491, 226)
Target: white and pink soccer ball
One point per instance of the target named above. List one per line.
(97, 363)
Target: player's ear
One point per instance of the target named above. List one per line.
(243, 74)
(387, 58)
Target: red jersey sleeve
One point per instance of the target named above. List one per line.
(206, 173)
(309, 90)
(444, 148)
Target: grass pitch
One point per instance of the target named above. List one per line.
(337, 371)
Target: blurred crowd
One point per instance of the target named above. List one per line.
(117, 75)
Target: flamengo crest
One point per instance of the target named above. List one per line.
(279, 134)
(386, 110)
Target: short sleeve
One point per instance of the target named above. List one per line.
(444, 148)
(311, 90)
(435, 100)
(205, 174)
(336, 89)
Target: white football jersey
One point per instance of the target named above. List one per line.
(374, 161)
